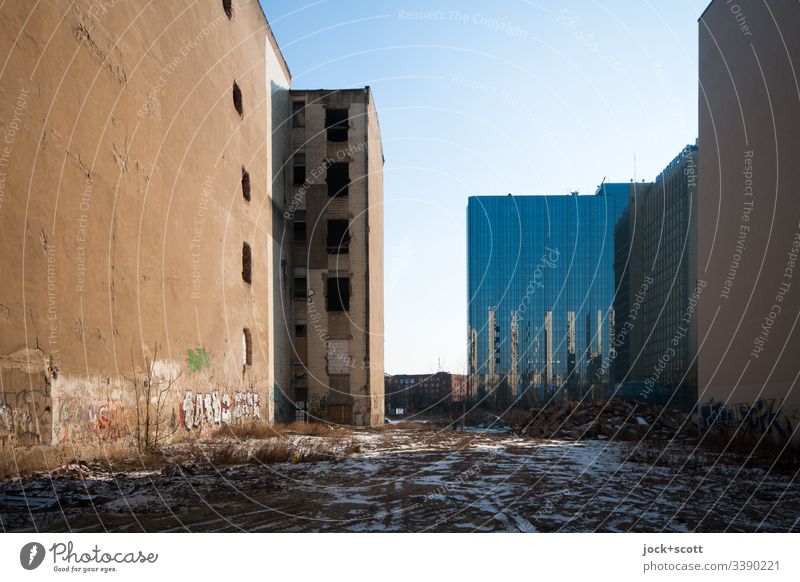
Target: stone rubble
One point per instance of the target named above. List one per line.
(608, 419)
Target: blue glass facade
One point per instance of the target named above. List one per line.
(541, 269)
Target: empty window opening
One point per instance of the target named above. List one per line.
(300, 291)
(227, 6)
(247, 263)
(298, 113)
(300, 331)
(338, 179)
(336, 124)
(247, 347)
(237, 99)
(338, 294)
(246, 184)
(299, 226)
(338, 237)
(299, 169)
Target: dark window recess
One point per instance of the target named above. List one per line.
(338, 298)
(227, 6)
(299, 169)
(237, 99)
(300, 331)
(246, 184)
(338, 179)
(300, 288)
(338, 237)
(247, 263)
(336, 124)
(299, 226)
(298, 113)
(248, 347)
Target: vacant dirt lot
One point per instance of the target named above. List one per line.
(412, 480)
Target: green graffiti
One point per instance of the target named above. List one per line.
(197, 359)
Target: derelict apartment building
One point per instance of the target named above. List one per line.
(337, 256)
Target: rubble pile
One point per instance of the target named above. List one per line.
(601, 420)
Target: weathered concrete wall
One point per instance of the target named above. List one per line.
(375, 272)
(122, 217)
(279, 244)
(749, 217)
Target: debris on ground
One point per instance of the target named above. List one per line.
(606, 419)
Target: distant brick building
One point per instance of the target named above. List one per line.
(414, 393)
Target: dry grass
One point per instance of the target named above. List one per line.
(315, 429)
(276, 452)
(263, 430)
(24, 462)
(404, 426)
(121, 456)
(21, 463)
(246, 430)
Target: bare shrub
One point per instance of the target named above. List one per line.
(151, 395)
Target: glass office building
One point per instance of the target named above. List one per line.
(541, 289)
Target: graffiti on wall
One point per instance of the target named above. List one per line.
(78, 419)
(761, 418)
(211, 409)
(197, 359)
(25, 413)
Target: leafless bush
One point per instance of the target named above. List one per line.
(151, 396)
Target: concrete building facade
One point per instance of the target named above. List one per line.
(749, 218)
(145, 177)
(337, 256)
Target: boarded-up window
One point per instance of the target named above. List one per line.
(339, 361)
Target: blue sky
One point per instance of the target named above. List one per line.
(491, 98)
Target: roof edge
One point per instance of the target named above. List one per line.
(703, 13)
(274, 42)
